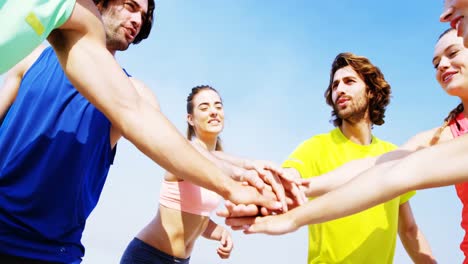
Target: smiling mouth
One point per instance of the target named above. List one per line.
(448, 76)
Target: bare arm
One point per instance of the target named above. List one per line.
(412, 237)
(376, 185)
(317, 186)
(97, 76)
(216, 232)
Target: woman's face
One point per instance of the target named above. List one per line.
(450, 61)
(208, 113)
(456, 13)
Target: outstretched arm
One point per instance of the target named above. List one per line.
(440, 165)
(97, 76)
(317, 186)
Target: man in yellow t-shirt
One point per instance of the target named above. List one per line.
(358, 94)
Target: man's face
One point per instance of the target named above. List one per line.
(123, 20)
(456, 13)
(349, 97)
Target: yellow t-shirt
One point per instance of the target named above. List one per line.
(365, 237)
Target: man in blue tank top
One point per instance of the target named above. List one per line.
(56, 149)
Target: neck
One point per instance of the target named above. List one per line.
(359, 132)
(207, 142)
(111, 50)
(465, 103)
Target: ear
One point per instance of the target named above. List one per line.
(190, 119)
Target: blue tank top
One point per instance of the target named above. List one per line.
(55, 155)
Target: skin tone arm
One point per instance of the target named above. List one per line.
(216, 232)
(376, 185)
(138, 121)
(317, 186)
(320, 185)
(412, 238)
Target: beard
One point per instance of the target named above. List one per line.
(115, 35)
(116, 40)
(355, 111)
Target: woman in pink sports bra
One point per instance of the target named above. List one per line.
(184, 210)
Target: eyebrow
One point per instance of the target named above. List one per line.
(445, 50)
(344, 78)
(139, 8)
(205, 103)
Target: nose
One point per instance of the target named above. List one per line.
(446, 15)
(136, 20)
(213, 111)
(340, 88)
(444, 63)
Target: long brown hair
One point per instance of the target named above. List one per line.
(451, 116)
(378, 90)
(193, 93)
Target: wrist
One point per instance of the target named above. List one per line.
(225, 187)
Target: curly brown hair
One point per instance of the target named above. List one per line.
(147, 24)
(377, 88)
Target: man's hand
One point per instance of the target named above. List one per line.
(271, 225)
(243, 194)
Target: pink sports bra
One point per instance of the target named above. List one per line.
(188, 197)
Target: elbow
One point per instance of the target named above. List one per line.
(129, 117)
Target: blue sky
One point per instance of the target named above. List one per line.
(270, 60)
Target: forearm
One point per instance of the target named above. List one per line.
(388, 180)
(236, 161)
(227, 167)
(440, 165)
(334, 179)
(140, 122)
(155, 136)
(329, 181)
(417, 246)
(366, 191)
(213, 231)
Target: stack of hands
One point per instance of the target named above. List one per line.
(273, 182)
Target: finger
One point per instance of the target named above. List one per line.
(229, 243)
(223, 238)
(298, 194)
(240, 221)
(278, 189)
(250, 195)
(254, 179)
(226, 212)
(274, 168)
(237, 228)
(222, 254)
